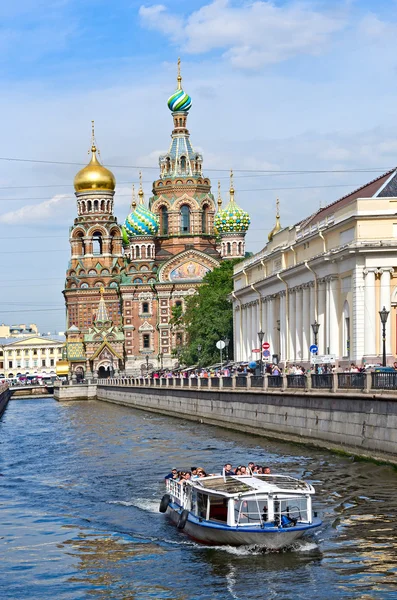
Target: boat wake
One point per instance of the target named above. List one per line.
(145, 504)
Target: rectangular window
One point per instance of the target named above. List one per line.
(52, 362)
(34, 352)
(146, 340)
(35, 363)
(43, 363)
(10, 364)
(145, 307)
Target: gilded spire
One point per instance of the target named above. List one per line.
(179, 78)
(133, 201)
(102, 315)
(219, 201)
(93, 144)
(140, 193)
(277, 226)
(231, 190)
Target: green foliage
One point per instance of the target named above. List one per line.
(209, 317)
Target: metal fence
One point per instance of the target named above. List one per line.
(227, 382)
(275, 381)
(204, 382)
(193, 382)
(256, 381)
(215, 382)
(323, 381)
(185, 382)
(241, 382)
(296, 381)
(384, 381)
(351, 381)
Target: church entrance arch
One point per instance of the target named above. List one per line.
(104, 372)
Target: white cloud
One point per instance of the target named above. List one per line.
(37, 213)
(252, 35)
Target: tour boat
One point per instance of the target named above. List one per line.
(265, 510)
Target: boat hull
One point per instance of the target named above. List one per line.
(209, 533)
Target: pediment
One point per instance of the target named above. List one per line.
(146, 327)
(35, 340)
(188, 266)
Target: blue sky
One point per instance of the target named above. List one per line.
(275, 86)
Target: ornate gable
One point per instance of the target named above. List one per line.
(188, 266)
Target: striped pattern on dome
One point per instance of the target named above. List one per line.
(179, 101)
(231, 219)
(141, 222)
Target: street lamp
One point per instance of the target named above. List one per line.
(315, 327)
(147, 366)
(227, 342)
(199, 348)
(161, 360)
(383, 317)
(261, 335)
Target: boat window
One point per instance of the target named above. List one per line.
(218, 509)
(250, 511)
(202, 500)
(292, 509)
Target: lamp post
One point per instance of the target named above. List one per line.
(227, 342)
(199, 348)
(161, 360)
(261, 335)
(315, 328)
(178, 353)
(147, 366)
(383, 317)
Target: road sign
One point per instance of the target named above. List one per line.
(255, 350)
(266, 353)
(266, 345)
(324, 359)
(220, 345)
(313, 349)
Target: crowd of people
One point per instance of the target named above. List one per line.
(228, 470)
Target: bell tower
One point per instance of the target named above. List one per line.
(96, 246)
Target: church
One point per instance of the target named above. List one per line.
(125, 282)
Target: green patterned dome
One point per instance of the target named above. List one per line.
(232, 218)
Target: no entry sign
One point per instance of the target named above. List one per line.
(266, 345)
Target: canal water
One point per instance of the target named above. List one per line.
(79, 491)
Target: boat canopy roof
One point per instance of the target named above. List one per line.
(236, 485)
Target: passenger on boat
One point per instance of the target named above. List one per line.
(227, 469)
(172, 475)
(251, 468)
(266, 470)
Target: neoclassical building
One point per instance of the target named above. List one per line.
(124, 281)
(337, 267)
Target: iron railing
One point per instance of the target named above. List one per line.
(214, 382)
(256, 381)
(275, 381)
(296, 381)
(322, 381)
(351, 381)
(226, 381)
(241, 382)
(384, 381)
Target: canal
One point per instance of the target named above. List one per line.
(79, 490)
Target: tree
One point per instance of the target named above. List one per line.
(209, 316)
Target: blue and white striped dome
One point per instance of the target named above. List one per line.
(141, 222)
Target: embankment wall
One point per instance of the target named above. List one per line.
(5, 395)
(355, 424)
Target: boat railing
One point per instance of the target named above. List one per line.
(180, 491)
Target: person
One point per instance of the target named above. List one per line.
(227, 469)
(251, 468)
(266, 470)
(172, 475)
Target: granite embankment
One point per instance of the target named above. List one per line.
(360, 424)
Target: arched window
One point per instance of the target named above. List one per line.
(80, 237)
(95, 205)
(97, 243)
(168, 163)
(183, 163)
(185, 219)
(228, 248)
(163, 220)
(204, 219)
(89, 205)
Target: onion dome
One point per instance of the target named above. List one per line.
(141, 221)
(94, 176)
(232, 218)
(180, 100)
(277, 226)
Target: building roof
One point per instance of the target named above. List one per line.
(34, 339)
(384, 186)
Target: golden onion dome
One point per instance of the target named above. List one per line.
(94, 176)
(277, 226)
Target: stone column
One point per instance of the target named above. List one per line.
(271, 325)
(298, 322)
(334, 344)
(244, 333)
(385, 302)
(283, 328)
(369, 313)
(321, 317)
(306, 322)
(292, 325)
